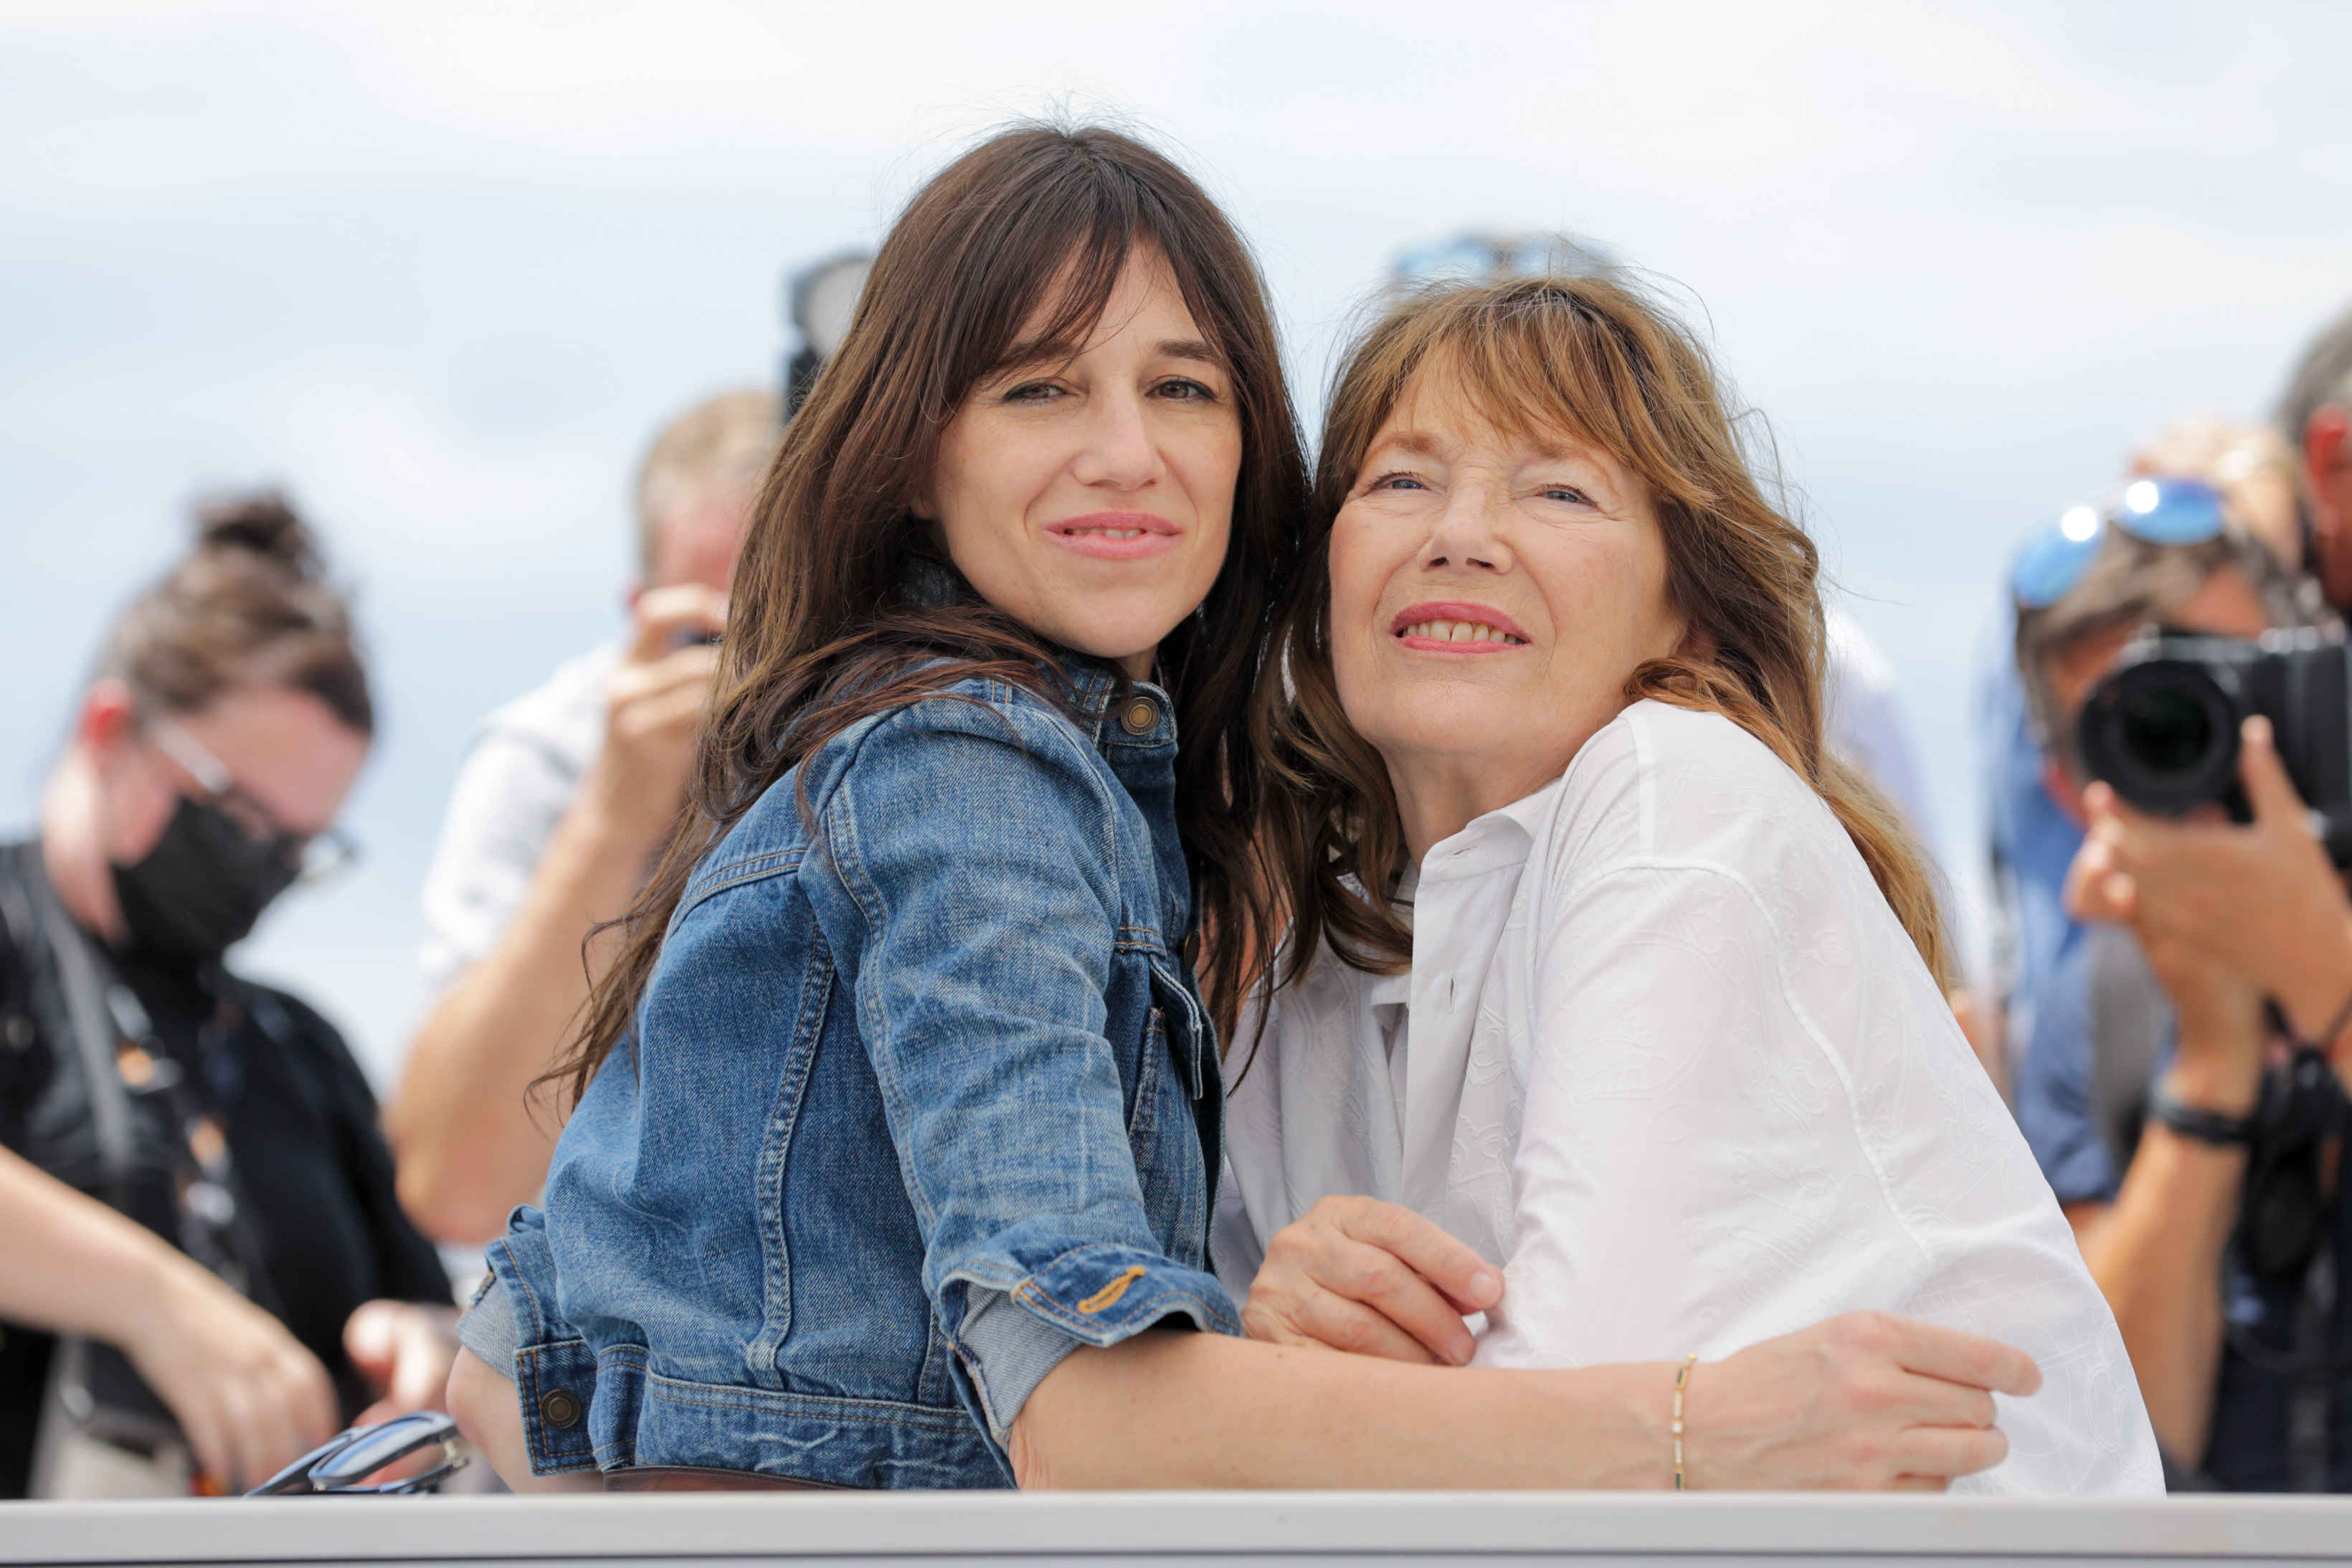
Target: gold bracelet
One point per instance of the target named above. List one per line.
(1682, 1387)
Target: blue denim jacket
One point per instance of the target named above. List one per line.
(915, 1107)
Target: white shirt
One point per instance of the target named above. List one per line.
(1673, 1063)
(518, 780)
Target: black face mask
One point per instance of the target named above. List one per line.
(202, 886)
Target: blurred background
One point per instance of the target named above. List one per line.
(440, 271)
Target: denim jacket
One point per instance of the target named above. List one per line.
(915, 1107)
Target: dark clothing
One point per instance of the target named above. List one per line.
(314, 1209)
(2098, 1020)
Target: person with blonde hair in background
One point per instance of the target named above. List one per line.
(567, 795)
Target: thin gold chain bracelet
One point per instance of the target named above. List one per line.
(1682, 1387)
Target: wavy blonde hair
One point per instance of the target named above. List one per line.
(1595, 358)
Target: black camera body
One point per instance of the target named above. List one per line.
(2162, 727)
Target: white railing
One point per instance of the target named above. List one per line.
(937, 1529)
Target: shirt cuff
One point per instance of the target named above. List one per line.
(489, 1330)
(554, 1370)
(1096, 1295)
(1008, 1354)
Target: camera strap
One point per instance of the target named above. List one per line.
(2311, 1397)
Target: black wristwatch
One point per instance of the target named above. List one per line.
(2196, 1122)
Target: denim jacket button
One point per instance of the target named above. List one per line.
(1140, 716)
(560, 1407)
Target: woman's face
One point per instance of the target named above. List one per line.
(1091, 499)
(290, 760)
(1491, 593)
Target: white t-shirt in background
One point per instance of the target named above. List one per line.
(517, 782)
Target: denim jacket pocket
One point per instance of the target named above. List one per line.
(1178, 1130)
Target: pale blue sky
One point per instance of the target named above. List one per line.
(440, 272)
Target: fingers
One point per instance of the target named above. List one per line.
(308, 1395)
(1356, 1273)
(1346, 1325)
(2269, 790)
(371, 1339)
(261, 1436)
(1933, 1402)
(1425, 1247)
(1957, 1357)
(665, 615)
(428, 1345)
(1949, 1452)
(2097, 889)
(207, 1435)
(690, 667)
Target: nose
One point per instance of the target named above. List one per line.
(1465, 532)
(1120, 453)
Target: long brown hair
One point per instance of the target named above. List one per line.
(825, 627)
(1591, 356)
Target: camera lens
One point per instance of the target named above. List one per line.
(2168, 732)
(2164, 733)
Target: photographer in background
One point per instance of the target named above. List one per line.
(205, 1271)
(2200, 921)
(559, 807)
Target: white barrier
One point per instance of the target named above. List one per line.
(936, 1529)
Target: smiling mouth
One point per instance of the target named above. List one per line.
(1115, 536)
(1453, 632)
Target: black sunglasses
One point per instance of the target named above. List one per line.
(339, 1464)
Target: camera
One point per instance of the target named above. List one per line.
(2162, 727)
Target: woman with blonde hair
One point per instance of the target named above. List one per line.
(1601, 963)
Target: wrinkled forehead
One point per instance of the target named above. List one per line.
(1456, 398)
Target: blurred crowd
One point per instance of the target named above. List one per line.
(223, 1249)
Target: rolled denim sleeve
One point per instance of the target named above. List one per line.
(553, 1369)
(977, 926)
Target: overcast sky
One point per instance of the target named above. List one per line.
(441, 274)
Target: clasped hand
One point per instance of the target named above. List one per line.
(1864, 1400)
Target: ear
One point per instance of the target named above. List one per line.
(108, 717)
(2327, 460)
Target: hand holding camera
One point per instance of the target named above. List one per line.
(655, 707)
(2218, 906)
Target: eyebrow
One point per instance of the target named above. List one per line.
(1189, 348)
(1411, 443)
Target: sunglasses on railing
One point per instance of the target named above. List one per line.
(2053, 561)
(338, 1465)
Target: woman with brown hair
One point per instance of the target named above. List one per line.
(207, 1271)
(898, 1115)
(1601, 964)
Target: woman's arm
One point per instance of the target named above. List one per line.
(484, 1405)
(1864, 1402)
(1749, 1107)
(247, 1395)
